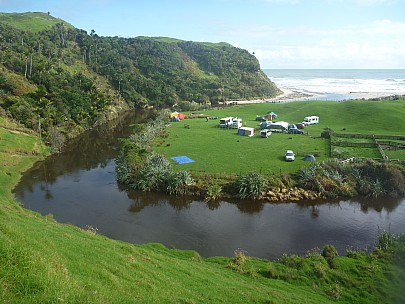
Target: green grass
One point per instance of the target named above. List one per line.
(218, 150)
(43, 261)
(31, 21)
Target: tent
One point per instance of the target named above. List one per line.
(176, 116)
(271, 116)
(245, 131)
(309, 157)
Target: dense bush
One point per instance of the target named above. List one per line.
(62, 77)
(368, 178)
(140, 168)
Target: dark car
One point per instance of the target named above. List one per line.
(300, 125)
(295, 131)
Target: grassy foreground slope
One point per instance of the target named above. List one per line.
(43, 261)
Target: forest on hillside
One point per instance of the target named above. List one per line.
(61, 77)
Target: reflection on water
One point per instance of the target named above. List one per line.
(78, 186)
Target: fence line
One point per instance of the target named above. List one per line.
(370, 136)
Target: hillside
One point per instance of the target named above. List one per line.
(69, 79)
(33, 22)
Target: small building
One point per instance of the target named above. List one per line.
(246, 131)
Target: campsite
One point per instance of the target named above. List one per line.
(224, 151)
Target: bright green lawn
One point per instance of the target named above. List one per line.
(223, 151)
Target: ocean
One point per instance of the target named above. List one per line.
(340, 84)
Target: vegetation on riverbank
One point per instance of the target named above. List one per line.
(47, 262)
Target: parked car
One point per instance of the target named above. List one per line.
(300, 125)
(265, 133)
(289, 155)
(295, 131)
(260, 118)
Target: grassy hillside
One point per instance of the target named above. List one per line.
(62, 78)
(32, 21)
(46, 262)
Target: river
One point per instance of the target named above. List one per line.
(78, 186)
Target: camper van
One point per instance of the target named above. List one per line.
(311, 120)
(280, 126)
(236, 123)
(225, 122)
(230, 122)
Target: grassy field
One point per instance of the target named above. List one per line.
(43, 261)
(34, 22)
(218, 150)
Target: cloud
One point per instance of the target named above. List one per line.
(378, 44)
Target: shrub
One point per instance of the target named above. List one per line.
(292, 261)
(154, 174)
(335, 291)
(307, 176)
(385, 240)
(251, 185)
(320, 270)
(238, 261)
(213, 191)
(329, 252)
(178, 182)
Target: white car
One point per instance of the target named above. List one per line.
(265, 133)
(289, 155)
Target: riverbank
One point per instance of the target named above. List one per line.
(38, 265)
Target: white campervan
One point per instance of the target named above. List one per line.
(225, 122)
(311, 120)
(236, 123)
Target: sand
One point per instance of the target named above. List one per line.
(291, 95)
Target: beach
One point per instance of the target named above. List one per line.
(287, 96)
(333, 84)
(291, 95)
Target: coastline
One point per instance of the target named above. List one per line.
(290, 95)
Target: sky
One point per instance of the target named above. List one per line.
(330, 34)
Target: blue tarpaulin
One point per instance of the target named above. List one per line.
(182, 159)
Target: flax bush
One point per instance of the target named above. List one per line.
(178, 182)
(213, 191)
(154, 174)
(251, 185)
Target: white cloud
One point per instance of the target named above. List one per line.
(379, 44)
